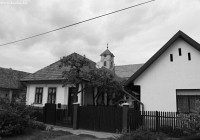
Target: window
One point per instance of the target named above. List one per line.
(104, 63)
(179, 51)
(38, 95)
(189, 56)
(187, 103)
(52, 95)
(171, 57)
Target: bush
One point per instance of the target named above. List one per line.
(190, 124)
(172, 132)
(143, 135)
(37, 125)
(37, 115)
(14, 117)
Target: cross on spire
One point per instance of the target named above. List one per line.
(107, 45)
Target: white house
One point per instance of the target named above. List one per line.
(45, 85)
(170, 79)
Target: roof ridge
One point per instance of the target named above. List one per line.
(13, 69)
(52, 71)
(107, 51)
(129, 64)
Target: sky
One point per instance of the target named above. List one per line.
(133, 36)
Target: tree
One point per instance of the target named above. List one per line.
(79, 70)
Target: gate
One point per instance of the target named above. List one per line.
(134, 119)
(100, 118)
(64, 118)
(50, 113)
(58, 116)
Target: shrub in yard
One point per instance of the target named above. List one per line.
(37, 125)
(190, 124)
(14, 117)
(143, 135)
(37, 115)
(172, 132)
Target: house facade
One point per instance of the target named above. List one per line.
(46, 85)
(169, 80)
(10, 86)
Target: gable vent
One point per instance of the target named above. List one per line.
(189, 56)
(171, 57)
(179, 51)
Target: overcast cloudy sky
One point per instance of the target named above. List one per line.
(133, 35)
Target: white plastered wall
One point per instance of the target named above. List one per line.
(61, 94)
(161, 79)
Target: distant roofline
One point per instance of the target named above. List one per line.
(129, 64)
(15, 70)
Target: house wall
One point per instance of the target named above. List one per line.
(161, 79)
(11, 93)
(61, 94)
(4, 93)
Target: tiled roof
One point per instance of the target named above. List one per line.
(51, 72)
(107, 52)
(126, 71)
(10, 78)
(54, 72)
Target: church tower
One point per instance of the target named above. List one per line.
(107, 59)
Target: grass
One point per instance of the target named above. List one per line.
(51, 135)
(38, 135)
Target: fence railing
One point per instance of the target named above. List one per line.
(100, 118)
(156, 120)
(112, 119)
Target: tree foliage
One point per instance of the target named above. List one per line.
(79, 70)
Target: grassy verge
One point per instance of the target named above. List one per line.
(38, 135)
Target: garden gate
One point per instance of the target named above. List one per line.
(54, 114)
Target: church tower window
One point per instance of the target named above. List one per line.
(104, 63)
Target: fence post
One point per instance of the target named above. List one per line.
(157, 120)
(44, 115)
(125, 118)
(75, 116)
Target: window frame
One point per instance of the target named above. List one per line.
(50, 96)
(39, 94)
(189, 100)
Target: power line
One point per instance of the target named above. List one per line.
(76, 23)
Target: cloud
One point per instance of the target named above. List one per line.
(133, 35)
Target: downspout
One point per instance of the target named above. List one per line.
(133, 97)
